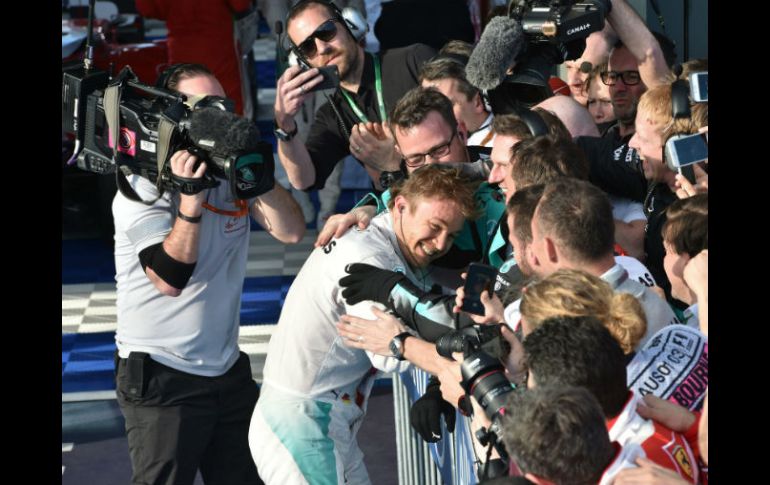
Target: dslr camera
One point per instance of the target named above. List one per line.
(555, 31)
(483, 374)
(122, 124)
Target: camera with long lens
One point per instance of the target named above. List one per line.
(473, 338)
(122, 124)
(555, 31)
(483, 374)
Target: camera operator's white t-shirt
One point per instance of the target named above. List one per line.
(197, 331)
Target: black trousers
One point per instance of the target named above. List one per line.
(177, 423)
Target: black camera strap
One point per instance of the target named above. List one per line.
(112, 95)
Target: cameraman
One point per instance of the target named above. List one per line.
(184, 388)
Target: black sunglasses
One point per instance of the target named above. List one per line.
(325, 32)
(629, 78)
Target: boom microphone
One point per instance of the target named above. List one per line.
(500, 44)
(236, 152)
(222, 132)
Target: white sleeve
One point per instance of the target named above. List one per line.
(143, 225)
(385, 363)
(388, 364)
(636, 270)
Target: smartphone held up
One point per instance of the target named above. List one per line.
(331, 77)
(481, 277)
(682, 151)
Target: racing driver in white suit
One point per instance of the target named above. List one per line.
(315, 388)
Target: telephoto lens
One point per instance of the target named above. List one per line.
(484, 378)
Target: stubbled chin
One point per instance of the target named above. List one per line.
(423, 259)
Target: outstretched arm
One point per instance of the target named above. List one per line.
(635, 35)
(375, 336)
(280, 215)
(429, 314)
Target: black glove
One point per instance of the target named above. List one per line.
(426, 413)
(366, 282)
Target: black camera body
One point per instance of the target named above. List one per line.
(229, 145)
(483, 346)
(564, 24)
(555, 32)
(474, 338)
(483, 374)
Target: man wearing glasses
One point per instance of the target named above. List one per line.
(426, 132)
(628, 78)
(639, 60)
(355, 122)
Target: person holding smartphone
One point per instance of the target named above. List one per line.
(355, 119)
(654, 125)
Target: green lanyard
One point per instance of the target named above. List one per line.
(378, 87)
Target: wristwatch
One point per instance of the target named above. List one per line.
(397, 345)
(281, 134)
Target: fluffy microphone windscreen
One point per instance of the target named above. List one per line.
(222, 132)
(500, 43)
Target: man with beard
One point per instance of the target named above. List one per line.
(628, 79)
(355, 120)
(639, 60)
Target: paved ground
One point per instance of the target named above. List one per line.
(95, 450)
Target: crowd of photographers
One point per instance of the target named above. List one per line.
(543, 256)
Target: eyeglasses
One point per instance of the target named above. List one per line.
(325, 32)
(629, 78)
(438, 152)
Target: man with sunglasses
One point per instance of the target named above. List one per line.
(183, 386)
(355, 120)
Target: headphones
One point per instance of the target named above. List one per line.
(336, 15)
(680, 106)
(534, 122)
(680, 99)
(225, 104)
(680, 109)
(457, 58)
(165, 76)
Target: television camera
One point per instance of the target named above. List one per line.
(122, 125)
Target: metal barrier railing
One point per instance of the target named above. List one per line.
(450, 461)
